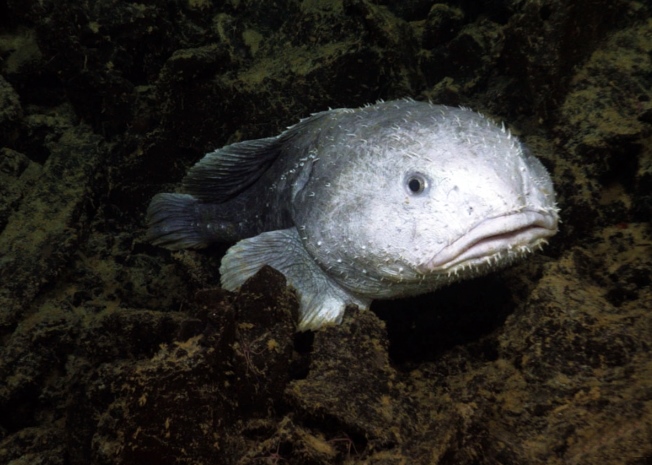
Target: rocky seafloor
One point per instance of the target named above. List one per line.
(114, 351)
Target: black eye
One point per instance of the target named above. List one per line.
(416, 183)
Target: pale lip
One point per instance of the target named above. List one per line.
(514, 231)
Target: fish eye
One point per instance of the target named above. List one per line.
(416, 183)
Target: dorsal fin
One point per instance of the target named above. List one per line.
(226, 172)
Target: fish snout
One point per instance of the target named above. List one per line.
(495, 240)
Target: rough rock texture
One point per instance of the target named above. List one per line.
(116, 352)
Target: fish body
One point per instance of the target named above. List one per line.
(351, 205)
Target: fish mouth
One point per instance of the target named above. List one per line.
(494, 241)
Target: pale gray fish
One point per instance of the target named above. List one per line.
(385, 201)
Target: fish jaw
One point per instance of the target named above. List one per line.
(493, 241)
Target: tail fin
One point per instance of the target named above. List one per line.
(174, 222)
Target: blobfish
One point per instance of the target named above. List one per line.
(384, 201)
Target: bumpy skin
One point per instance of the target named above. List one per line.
(385, 201)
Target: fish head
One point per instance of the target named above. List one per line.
(422, 205)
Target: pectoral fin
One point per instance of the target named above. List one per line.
(226, 172)
(321, 299)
